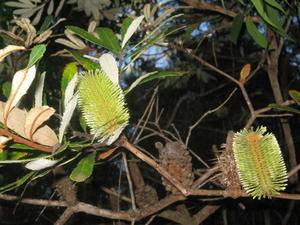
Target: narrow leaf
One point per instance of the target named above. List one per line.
(110, 67)
(36, 54)
(35, 118)
(108, 39)
(275, 5)
(84, 168)
(236, 28)
(284, 108)
(40, 164)
(69, 93)
(69, 71)
(6, 87)
(255, 34)
(131, 29)
(86, 63)
(125, 25)
(20, 84)
(67, 116)
(163, 74)
(8, 50)
(38, 94)
(103, 40)
(295, 96)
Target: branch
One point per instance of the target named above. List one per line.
(24, 141)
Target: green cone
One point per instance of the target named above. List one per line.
(102, 104)
(259, 162)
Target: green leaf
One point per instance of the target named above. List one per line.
(17, 183)
(295, 96)
(103, 40)
(274, 15)
(46, 24)
(84, 168)
(69, 71)
(259, 5)
(125, 26)
(256, 35)
(161, 75)
(36, 54)
(108, 39)
(21, 146)
(275, 5)
(86, 63)
(4, 155)
(236, 28)
(6, 88)
(284, 108)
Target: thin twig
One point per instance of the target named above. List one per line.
(129, 181)
(205, 114)
(123, 142)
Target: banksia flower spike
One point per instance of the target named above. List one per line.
(103, 106)
(259, 162)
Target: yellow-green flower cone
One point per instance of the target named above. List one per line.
(259, 162)
(102, 104)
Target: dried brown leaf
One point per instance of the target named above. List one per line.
(20, 84)
(35, 118)
(45, 136)
(9, 49)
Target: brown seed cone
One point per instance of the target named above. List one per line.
(229, 176)
(66, 190)
(175, 158)
(146, 196)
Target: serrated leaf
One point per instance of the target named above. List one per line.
(69, 110)
(35, 118)
(36, 54)
(284, 108)
(295, 95)
(84, 168)
(125, 25)
(110, 67)
(256, 35)
(245, 72)
(6, 87)
(131, 29)
(38, 94)
(108, 39)
(8, 50)
(40, 164)
(236, 28)
(86, 63)
(20, 84)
